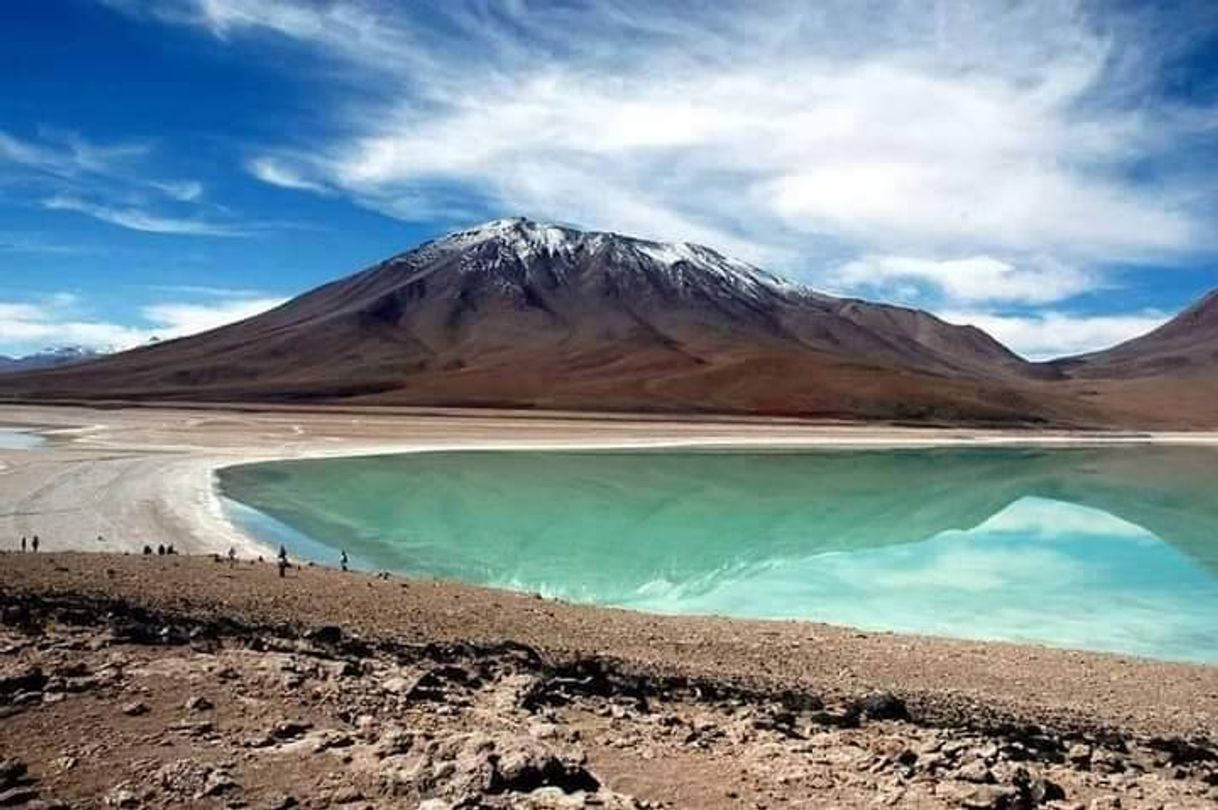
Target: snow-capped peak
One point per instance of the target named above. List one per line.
(526, 239)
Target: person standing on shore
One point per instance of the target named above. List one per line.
(343, 560)
(232, 556)
(23, 544)
(34, 544)
(283, 562)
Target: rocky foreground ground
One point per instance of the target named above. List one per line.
(214, 698)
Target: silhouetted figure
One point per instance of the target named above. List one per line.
(283, 561)
(343, 560)
(35, 543)
(23, 543)
(160, 549)
(232, 556)
(147, 550)
(170, 549)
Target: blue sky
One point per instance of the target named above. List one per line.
(1045, 170)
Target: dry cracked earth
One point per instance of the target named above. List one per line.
(107, 705)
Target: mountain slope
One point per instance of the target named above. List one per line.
(518, 313)
(1187, 345)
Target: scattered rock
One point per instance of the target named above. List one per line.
(290, 729)
(123, 798)
(12, 771)
(883, 706)
(198, 703)
(134, 709)
(974, 771)
(18, 796)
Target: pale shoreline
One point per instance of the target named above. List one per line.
(148, 475)
(145, 476)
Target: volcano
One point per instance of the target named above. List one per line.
(522, 314)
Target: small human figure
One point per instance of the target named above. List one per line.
(23, 543)
(283, 561)
(232, 556)
(169, 549)
(160, 549)
(35, 543)
(147, 550)
(343, 560)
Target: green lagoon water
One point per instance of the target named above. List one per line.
(1100, 548)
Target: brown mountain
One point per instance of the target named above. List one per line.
(1167, 378)
(1187, 345)
(517, 313)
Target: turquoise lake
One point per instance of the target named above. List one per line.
(1106, 548)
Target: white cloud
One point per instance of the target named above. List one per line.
(68, 154)
(967, 280)
(277, 173)
(921, 128)
(58, 320)
(180, 190)
(1049, 334)
(64, 171)
(180, 319)
(139, 220)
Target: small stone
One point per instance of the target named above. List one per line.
(883, 706)
(122, 798)
(1079, 753)
(283, 802)
(11, 771)
(135, 709)
(988, 797)
(17, 796)
(198, 703)
(975, 772)
(289, 729)
(348, 795)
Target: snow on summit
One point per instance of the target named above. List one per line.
(526, 240)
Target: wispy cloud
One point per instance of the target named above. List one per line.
(927, 129)
(63, 171)
(62, 318)
(139, 220)
(278, 173)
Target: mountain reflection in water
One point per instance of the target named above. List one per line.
(1111, 548)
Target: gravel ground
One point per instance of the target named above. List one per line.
(184, 681)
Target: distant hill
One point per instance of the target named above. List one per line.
(1184, 346)
(516, 313)
(48, 358)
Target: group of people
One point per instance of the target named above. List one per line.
(282, 560)
(163, 550)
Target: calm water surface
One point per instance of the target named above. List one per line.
(1100, 548)
(19, 439)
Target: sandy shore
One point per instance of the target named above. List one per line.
(136, 476)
